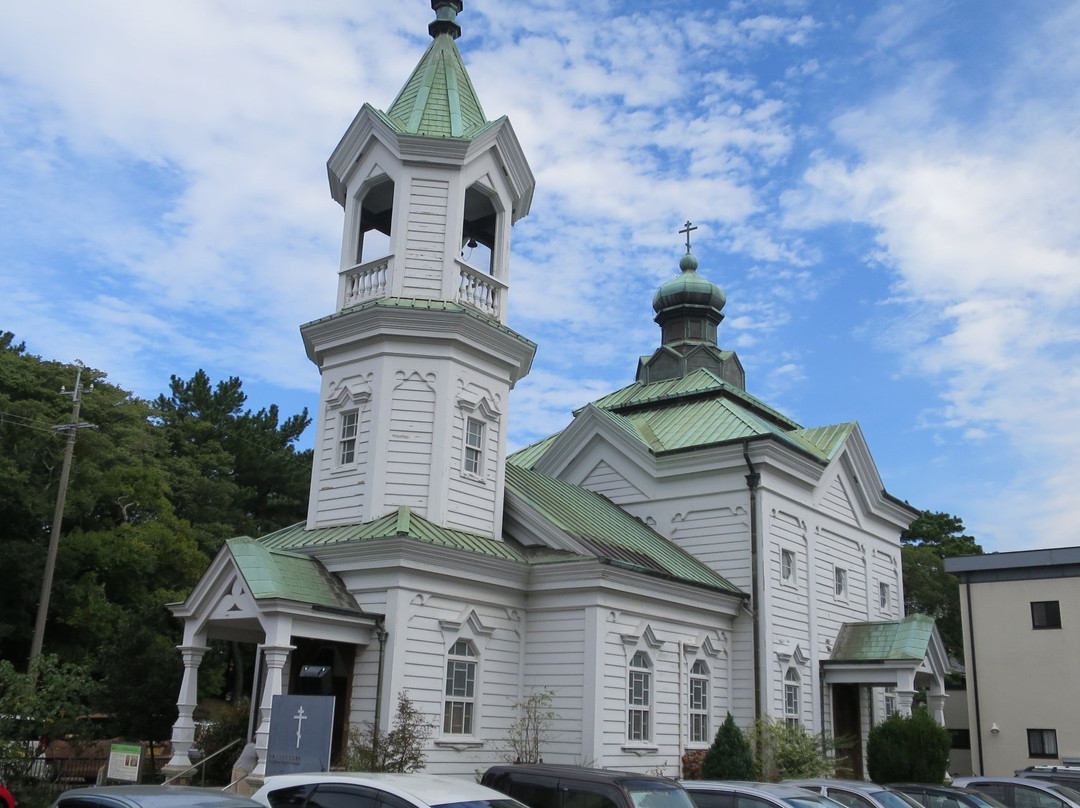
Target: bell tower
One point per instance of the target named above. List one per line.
(416, 360)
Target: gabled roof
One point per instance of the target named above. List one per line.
(401, 523)
(597, 527)
(438, 100)
(905, 639)
(698, 410)
(272, 573)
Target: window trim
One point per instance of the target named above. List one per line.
(840, 583)
(471, 451)
(697, 703)
(462, 656)
(639, 690)
(348, 434)
(884, 595)
(792, 698)
(788, 567)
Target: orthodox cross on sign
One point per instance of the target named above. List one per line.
(688, 228)
(300, 718)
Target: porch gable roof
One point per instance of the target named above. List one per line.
(271, 573)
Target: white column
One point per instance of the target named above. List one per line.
(937, 706)
(183, 733)
(904, 699)
(275, 657)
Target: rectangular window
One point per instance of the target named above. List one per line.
(460, 689)
(1045, 614)
(840, 582)
(347, 428)
(792, 697)
(1042, 743)
(474, 447)
(883, 595)
(890, 701)
(787, 566)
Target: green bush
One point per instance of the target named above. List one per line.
(913, 749)
(230, 723)
(729, 757)
(789, 751)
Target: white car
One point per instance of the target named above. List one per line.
(378, 790)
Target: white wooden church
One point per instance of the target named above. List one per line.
(679, 551)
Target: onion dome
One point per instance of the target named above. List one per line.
(688, 290)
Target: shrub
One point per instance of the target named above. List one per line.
(399, 750)
(691, 764)
(229, 723)
(788, 751)
(729, 757)
(912, 749)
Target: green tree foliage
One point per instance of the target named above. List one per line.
(228, 726)
(928, 588)
(911, 749)
(786, 751)
(730, 756)
(399, 750)
(529, 731)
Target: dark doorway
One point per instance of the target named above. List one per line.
(322, 668)
(847, 730)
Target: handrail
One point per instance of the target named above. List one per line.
(205, 760)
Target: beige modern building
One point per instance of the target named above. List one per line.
(1022, 648)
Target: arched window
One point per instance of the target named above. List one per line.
(792, 697)
(376, 216)
(639, 698)
(699, 703)
(460, 689)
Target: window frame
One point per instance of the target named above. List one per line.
(348, 435)
(472, 454)
(698, 703)
(1045, 615)
(788, 568)
(840, 583)
(792, 698)
(1037, 743)
(639, 699)
(459, 708)
(884, 595)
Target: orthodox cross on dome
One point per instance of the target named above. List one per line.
(688, 228)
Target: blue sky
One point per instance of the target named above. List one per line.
(888, 193)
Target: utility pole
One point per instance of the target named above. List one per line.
(58, 514)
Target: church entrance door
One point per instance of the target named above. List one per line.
(847, 729)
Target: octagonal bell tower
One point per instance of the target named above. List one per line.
(416, 361)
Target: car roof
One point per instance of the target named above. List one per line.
(776, 789)
(159, 796)
(853, 785)
(580, 772)
(427, 788)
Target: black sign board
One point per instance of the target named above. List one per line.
(301, 728)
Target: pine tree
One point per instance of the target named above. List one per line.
(729, 757)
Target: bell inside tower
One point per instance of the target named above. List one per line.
(478, 230)
(376, 217)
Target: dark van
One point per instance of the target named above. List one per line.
(544, 785)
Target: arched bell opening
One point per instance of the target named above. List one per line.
(478, 230)
(376, 218)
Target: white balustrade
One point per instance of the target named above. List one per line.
(479, 290)
(364, 282)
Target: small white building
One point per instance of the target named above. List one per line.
(679, 551)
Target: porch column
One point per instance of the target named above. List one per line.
(904, 699)
(183, 733)
(275, 657)
(936, 702)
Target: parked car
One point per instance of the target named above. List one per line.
(1066, 775)
(946, 796)
(1023, 792)
(151, 797)
(544, 785)
(377, 790)
(7, 799)
(733, 794)
(857, 793)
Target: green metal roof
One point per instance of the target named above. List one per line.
(271, 573)
(904, 639)
(438, 100)
(401, 523)
(604, 530)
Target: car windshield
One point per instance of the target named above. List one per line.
(982, 800)
(647, 794)
(894, 799)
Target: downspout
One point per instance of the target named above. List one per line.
(380, 635)
(753, 479)
(974, 675)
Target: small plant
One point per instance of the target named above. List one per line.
(691, 764)
(229, 723)
(527, 735)
(788, 751)
(730, 756)
(912, 749)
(399, 750)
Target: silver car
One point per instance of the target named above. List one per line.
(1023, 792)
(734, 794)
(151, 797)
(857, 793)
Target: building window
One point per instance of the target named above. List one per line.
(840, 582)
(1045, 614)
(474, 447)
(787, 566)
(890, 701)
(1042, 743)
(699, 703)
(348, 423)
(460, 689)
(792, 697)
(639, 698)
(883, 595)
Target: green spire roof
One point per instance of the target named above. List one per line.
(438, 100)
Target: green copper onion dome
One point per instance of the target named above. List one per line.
(688, 290)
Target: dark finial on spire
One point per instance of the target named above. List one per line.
(688, 228)
(445, 21)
